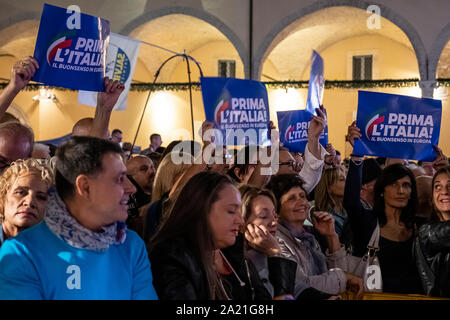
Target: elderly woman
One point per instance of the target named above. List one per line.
(432, 244)
(23, 196)
(299, 242)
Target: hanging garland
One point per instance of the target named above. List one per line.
(329, 84)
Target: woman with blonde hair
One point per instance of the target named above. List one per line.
(23, 196)
(166, 176)
(329, 196)
(168, 173)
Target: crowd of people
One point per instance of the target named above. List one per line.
(96, 219)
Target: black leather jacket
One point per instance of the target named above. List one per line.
(432, 253)
(177, 275)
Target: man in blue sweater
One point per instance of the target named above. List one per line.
(82, 249)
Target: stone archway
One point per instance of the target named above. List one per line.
(386, 12)
(438, 48)
(211, 19)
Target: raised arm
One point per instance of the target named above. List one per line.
(362, 221)
(106, 101)
(316, 127)
(21, 73)
(314, 152)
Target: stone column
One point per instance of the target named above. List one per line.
(427, 88)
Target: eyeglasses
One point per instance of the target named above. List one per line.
(288, 163)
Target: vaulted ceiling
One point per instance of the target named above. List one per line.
(320, 30)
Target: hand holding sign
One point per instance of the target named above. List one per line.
(22, 72)
(107, 99)
(330, 159)
(441, 160)
(317, 124)
(353, 133)
(316, 127)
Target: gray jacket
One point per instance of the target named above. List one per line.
(307, 275)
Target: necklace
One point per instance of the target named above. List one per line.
(232, 269)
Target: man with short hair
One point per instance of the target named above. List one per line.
(142, 170)
(155, 143)
(82, 249)
(41, 151)
(16, 142)
(116, 136)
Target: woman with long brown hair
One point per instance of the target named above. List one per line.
(185, 254)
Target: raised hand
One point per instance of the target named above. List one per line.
(261, 239)
(107, 99)
(353, 133)
(22, 72)
(324, 223)
(331, 157)
(441, 160)
(317, 123)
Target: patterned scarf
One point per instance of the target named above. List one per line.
(65, 227)
(310, 242)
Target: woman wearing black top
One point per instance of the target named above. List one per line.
(395, 205)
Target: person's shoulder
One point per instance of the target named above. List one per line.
(32, 235)
(176, 247)
(20, 245)
(132, 241)
(133, 236)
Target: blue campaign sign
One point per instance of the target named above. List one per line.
(397, 126)
(294, 130)
(316, 83)
(71, 49)
(239, 108)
